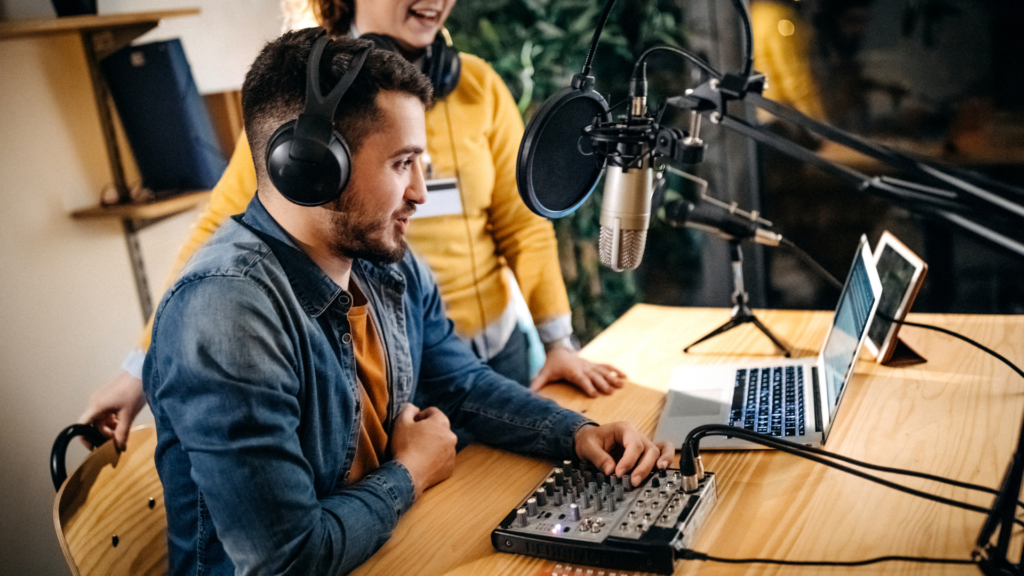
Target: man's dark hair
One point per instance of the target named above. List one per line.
(274, 91)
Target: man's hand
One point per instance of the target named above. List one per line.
(565, 364)
(423, 442)
(619, 447)
(113, 408)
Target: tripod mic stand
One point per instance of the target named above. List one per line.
(741, 312)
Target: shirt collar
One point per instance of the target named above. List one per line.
(313, 287)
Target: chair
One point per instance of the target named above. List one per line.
(109, 514)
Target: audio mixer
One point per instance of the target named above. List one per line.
(581, 516)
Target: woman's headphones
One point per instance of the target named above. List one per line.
(441, 62)
(307, 160)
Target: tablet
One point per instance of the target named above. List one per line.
(902, 273)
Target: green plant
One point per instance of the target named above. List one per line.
(536, 46)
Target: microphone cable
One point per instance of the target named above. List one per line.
(681, 52)
(688, 466)
(821, 457)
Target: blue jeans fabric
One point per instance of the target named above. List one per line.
(251, 380)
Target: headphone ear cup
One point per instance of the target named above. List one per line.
(443, 67)
(304, 182)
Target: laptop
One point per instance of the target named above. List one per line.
(795, 400)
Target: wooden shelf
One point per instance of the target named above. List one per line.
(101, 36)
(147, 211)
(41, 26)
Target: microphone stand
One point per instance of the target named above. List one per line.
(741, 312)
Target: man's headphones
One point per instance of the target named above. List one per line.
(307, 160)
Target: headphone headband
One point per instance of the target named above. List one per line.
(307, 160)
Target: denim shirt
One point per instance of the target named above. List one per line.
(251, 379)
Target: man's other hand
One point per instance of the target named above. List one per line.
(113, 408)
(565, 364)
(423, 442)
(619, 447)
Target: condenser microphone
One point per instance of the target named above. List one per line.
(625, 215)
(628, 179)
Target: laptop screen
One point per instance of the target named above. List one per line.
(848, 326)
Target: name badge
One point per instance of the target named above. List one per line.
(442, 199)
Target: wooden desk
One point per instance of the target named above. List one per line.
(956, 416)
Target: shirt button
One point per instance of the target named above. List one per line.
(346, 338)
(343, 299)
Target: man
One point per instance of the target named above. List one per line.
(290, 356)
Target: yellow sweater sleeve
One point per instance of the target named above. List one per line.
(782, 51)
(230, 196)
(527, 241)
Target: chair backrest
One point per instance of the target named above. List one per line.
(109, 514)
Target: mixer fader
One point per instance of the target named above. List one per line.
(579, 515)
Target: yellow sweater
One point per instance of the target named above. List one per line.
(782, 51)
(474, 133)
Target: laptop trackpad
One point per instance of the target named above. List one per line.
(696, 403)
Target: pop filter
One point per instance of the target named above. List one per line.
(555, 170)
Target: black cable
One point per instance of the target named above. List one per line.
(811, 262)
(680, 51)
(597, 36)
(693, 439)
(748, 36)
(948, 332)
(687, 554)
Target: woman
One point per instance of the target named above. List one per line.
(473, 134)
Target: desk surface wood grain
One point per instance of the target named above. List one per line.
(957, 416)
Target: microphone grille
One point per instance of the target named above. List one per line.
(631, 248)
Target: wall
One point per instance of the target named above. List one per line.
(68, 309)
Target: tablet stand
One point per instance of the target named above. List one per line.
(902, 355)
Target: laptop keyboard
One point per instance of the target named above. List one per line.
(769, 400)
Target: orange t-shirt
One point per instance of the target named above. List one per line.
(371, 373)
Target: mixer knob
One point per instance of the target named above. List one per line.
(655, 483)
(647, 493)
(627, 482)
(588, 477)
(521, 517)
(531, 507)
(574, 512)
(606, 489)
(609, 503)
(549, 486)
(567, 466)
(541, 496)
(601, 478)
(592, 488)
(557, 497)
(662, 473)
(618, 492)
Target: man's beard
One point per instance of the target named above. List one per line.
(364, 236)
